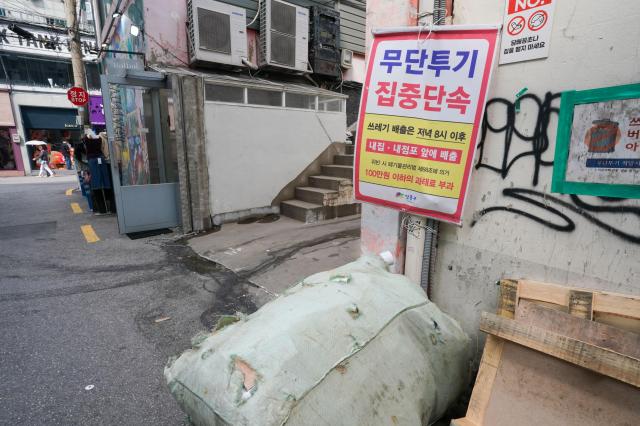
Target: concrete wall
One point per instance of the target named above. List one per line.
(380, 229)
(167, 44)
(254, 152)
(592, 46)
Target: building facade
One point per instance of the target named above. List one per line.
(514, 226)
(35, 76)
(220, 168)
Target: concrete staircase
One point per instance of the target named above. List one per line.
(326, 196)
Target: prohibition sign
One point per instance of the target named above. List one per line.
(538, 20)
(516, 25)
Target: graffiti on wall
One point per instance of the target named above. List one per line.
(538, 141)
(536, 147)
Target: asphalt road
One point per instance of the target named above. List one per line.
(75, 314)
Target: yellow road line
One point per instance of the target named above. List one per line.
(76, 208)
(89, 234)
(69, 191)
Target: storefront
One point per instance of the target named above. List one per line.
(51, 125)
(10, 156)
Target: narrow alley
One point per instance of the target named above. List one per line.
(86, 328)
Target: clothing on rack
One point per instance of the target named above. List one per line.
(100, 174)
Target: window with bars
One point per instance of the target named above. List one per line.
(216, 92)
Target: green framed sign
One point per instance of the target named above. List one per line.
(598, 143)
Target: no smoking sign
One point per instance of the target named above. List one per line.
(516, 25)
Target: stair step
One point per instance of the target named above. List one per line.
(338, 170)
(302, 210)
(329, 182)
(349, 149)
(343, 159)
(316, 195)
(311, 212)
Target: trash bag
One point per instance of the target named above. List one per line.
(354, 346)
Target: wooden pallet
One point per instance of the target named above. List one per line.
(594, 330)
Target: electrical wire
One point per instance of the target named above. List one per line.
(256, 16)
(166, 50)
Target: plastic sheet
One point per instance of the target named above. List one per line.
(353, 346)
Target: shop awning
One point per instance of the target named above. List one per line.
(49, 118)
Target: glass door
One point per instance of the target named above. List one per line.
(142, 149)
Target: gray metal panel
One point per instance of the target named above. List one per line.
(149, 206)
(352, 26)
(352, 46)
(214, 31)
(139, 207)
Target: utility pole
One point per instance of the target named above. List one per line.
(75, 46)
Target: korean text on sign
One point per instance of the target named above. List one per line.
(419, 119)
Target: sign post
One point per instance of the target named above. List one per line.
(420, 116)
(527, 30)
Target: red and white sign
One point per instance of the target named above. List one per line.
(527, 30)
(78, 96)
(420, 116)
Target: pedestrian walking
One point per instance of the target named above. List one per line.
(66, 152)
(44, 162)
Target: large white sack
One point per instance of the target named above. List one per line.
(373, 350)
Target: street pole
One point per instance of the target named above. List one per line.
(75, 46)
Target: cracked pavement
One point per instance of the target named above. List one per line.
(74, 314)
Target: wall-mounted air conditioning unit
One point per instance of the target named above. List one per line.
(217, 33)
(284, 35)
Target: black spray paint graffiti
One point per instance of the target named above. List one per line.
(539, 140)
(565, 224)
(540, 143)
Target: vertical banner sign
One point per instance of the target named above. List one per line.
(526, 32)
(420, 115)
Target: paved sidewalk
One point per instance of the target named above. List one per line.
(12, 180)
(277, 255)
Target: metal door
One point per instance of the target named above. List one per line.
(142, 148)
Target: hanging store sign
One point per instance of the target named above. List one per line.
(598, 143)
(526, 32)
(96, 110)
(44, 43)
(420, 116)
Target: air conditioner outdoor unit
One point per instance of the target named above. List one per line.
(217, 33)
(284, 36)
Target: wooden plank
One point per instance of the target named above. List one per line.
(594, 358)
(617, 310)
(625, 323)
(544, 292)
(602, 335)
(617, 304)
(489, 365)
(580, 303)
(508, 296)
(534, 389)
